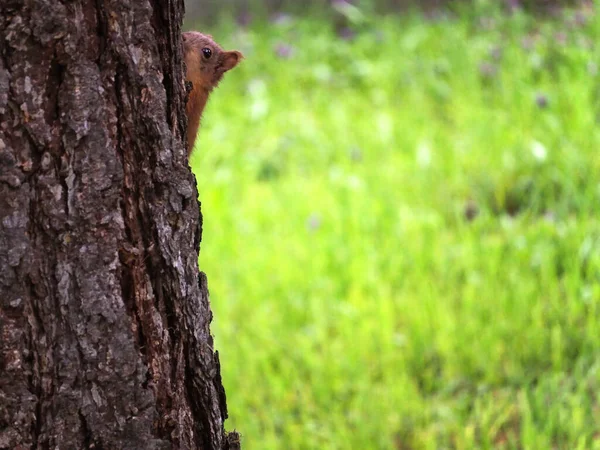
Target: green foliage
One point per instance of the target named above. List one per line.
(401, 233)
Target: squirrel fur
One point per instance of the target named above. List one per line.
(206, 63)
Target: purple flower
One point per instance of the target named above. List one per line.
(340, 3)
(488, 70)
(244, 19)
(346, 34)
(580, 19)
(561, 37)
(314, 222)
(284, 51)
(496, 53)
(513, 5)
(281, 19)
(541, 100)
(528, 42)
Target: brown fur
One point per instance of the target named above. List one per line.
(204, 74)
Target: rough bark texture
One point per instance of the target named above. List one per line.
(104, 317)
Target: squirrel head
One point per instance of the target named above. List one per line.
(206, 61)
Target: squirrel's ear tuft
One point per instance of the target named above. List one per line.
(230, 60)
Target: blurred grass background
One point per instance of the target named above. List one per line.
(207, 11)
(401, 229)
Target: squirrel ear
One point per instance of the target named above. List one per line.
(230, 60)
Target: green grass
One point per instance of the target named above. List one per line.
(356, 306)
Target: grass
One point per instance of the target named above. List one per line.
(401, 233)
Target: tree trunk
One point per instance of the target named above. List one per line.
(104, 317)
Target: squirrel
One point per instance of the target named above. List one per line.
(206, 63)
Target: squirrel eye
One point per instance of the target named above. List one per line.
(207, 52)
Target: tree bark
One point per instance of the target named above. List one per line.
(104, 317)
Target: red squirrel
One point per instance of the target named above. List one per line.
(206, 63)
